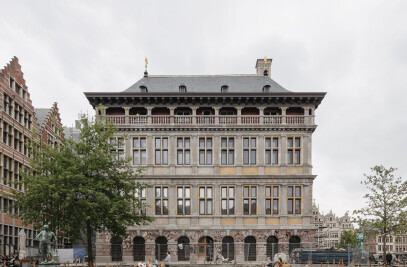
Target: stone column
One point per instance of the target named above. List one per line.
(261, 210)
(284, 114)
(306, 116)
(194, 205)
(126, 115)
(216, 115)
(283, 153)
(172, 119)
(194, 115)
(283, 204)
(239, 115)
(261, 115)
(149, 120)
(172, 204)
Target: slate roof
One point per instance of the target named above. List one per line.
(42, 114)
(206, 84)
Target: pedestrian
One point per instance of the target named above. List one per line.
(389, 258)
(167, 259)
(280, 262)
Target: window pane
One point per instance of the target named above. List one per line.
(231, 206)
(245, 142)
(289, 142)
(231, 192)
(121, 154)
(135, 142)
(290, 157)
(201, 206)
(254, 191)
(157, 192)
(180, 191)
(165, 142)
(179, 142)
(202, 142)
(187, 207)
(246, 191)
(209, 192)
(179, 157)
(209, 157)
(143, 192)
(297, 142)
(275, 206)
(231, 157)
(268, 206)
(180, 207)
(187, 192)
(298, 206)
(275, 142)
(165, 191)
(268, 191)
(275, 156)
(246, 157)
(157, 157)
(143, 157)
(224, 192)
(209, 206)
(143, 143)
(223, 142)
(165, 157)
(290, 192)
(157, 142)
(202, 192)
(267, 142)
(268, 157)
(224, 157)
(297, 157)
(231, 142)
(165, 207)
(253, 157)
(298, 191)
(275, 191)
(253, 208)
(224, 208)
(187, 143)
(136, 159)
(253, 142)
(202, 157)
(209, 142)
(290, 206)
(246, 207)
(158, 207)
(187, 157)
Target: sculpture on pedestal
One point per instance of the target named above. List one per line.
(46, 238)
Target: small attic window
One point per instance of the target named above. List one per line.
(224, 88)
(266, 89)
(182, 88)
(143, 89)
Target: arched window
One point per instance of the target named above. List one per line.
(250, 248)
(205, 248)
(161, 247)
(224, 88)
(139, 248)
(293, 243)
(272, 246)
(228, 248)
(183, 248)
(116, 249)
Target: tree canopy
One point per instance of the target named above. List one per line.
(348, 238)
(83, 186)
(386, 204)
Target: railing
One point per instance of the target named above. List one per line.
(212, 119)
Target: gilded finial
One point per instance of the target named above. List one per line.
(146, 60)
(265, 60)
(145, 71)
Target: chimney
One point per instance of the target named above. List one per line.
(261, 68)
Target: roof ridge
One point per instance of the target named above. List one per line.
(209, 75)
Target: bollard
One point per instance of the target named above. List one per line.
(107, 264)
(334, 263)
(76, 264)
(321, 264)
(327, 262)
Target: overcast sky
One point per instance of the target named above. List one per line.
(356, 51)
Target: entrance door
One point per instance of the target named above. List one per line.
(116, 249)
(205, 248)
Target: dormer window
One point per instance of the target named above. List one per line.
(182, 88)
(224, 88)
(143, 89)
(266, 89)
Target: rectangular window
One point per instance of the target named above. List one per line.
(183, 151)
(161, 150)
(140, 194)
(118, 147)
(271, 147)
(227, 200)
(294, 150)
(205, 198)
(250, 200)
(139, 151)
(205, 150)
(161, 200)
(227, 151)
(249, 151)
(184, 200)
(272, 199)
(294, 199)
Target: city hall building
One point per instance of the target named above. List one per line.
(229, 161)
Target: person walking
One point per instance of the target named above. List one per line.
(167, 259)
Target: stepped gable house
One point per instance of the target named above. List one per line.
(229, 161)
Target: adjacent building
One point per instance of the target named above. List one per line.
(18, 122)
(229, 161)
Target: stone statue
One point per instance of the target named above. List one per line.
(21, 244)
(46, 238)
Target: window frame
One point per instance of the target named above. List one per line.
(271, 149)
(272, 198)
(184, 198)
(140, 150)
(184, 150)
(228, 198)
(227, 149)
(294, 198)
(205, 150)
(250, 198)
(294, 148)
(119, 149)
(250, 150)
(206, 199)
(161, 151)
(143, 200)
(162, 198)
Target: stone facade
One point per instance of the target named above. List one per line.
(229, 162)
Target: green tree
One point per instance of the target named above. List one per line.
(82, 187)
(348, 238)
(386, 204)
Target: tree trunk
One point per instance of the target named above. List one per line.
(89, 233)
(384, 251)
